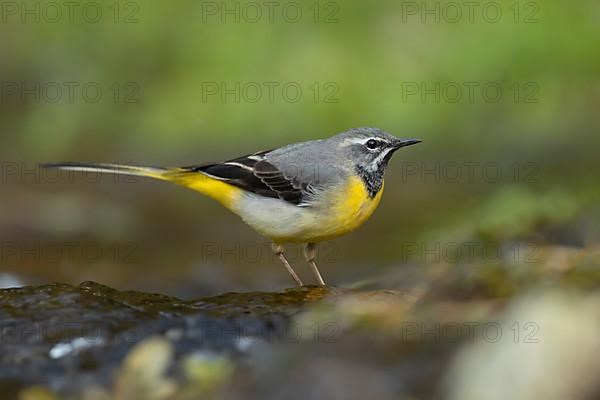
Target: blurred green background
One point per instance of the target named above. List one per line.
(357, 64)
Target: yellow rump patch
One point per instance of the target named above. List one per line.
(222, 192)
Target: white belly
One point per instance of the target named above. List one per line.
(279, 220)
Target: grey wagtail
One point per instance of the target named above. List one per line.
(300, 193)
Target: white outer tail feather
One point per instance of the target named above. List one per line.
(119, 169)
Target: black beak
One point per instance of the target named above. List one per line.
(405, 142)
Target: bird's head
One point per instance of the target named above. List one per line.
(369, 149)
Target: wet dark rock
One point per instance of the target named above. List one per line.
(67, 337)
(400, 335)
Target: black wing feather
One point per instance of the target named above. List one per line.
(254, 174)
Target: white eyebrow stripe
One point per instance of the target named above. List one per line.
(365, 140)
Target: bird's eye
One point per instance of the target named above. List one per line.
(372, 144)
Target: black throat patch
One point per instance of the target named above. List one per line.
(373, 179)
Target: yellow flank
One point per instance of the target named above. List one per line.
(350, 209)
(222, 192)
